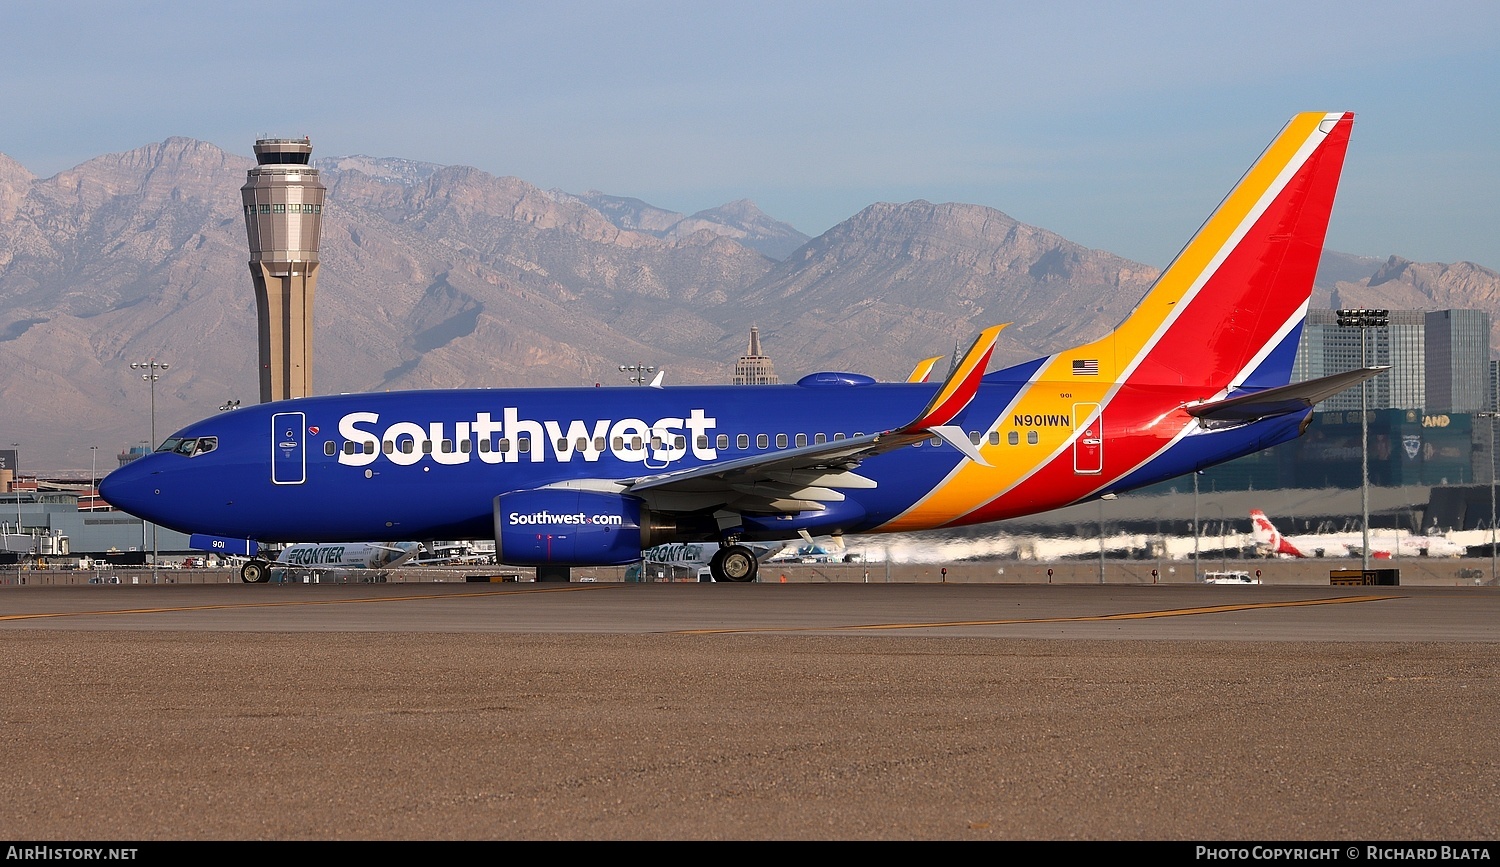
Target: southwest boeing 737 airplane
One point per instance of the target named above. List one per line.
(1198, 374)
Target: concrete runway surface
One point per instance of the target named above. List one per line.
(750, 712)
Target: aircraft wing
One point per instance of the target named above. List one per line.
(805, 478)
(1281, 400)
(791, 480)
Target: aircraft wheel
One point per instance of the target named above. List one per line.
(253, 572)
(734, 564)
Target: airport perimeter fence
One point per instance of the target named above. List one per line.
(1413, 571)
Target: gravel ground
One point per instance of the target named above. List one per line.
(158, 736)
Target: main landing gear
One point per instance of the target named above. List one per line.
(734, 564)
(254, 572)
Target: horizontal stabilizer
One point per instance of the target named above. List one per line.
(1282, 400)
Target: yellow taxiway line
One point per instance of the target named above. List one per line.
(1092, 618)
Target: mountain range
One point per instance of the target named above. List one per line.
(447, 276)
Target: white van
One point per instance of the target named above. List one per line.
(1229, 578)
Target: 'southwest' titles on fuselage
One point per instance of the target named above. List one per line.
(628, 439)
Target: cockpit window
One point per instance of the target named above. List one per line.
(191, 446)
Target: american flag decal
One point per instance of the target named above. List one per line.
(1086, 367)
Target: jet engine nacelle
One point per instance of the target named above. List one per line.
(567, 527)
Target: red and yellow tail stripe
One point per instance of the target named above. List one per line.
(1238, 287)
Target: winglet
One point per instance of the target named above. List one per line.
(656, 383)
(962, 383)
(923, 369)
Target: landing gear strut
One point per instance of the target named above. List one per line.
(734, 564)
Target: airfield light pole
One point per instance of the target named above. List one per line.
(1490, 416)
(15, 483)
(150, 368)
(15, 488)
(1197, 574)
(639, 373)
(93, 477)
(1364, 320)
(1101, 540)
(1223, 541)
(1102, 498)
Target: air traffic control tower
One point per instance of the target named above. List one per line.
(283, 201)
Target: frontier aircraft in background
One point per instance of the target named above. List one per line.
(1198, 374)
(692, 558)
(318, 558)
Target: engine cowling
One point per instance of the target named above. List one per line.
(567, 527)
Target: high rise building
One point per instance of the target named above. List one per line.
(1327, 349)
(283, 201)
(1439, 360)
(1458, 361)
(754, 368)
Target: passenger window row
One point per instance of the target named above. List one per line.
(522, 445)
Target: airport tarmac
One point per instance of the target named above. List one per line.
(1411, 571)
(798, 711)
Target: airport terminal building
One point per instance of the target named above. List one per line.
(1407, 448)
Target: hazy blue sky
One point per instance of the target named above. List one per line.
(1119, 125)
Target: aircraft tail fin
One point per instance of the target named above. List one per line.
(1227, 312)
(1265, 533)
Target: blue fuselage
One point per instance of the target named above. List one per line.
(429, 465)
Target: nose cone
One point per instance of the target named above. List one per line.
(131, 487)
